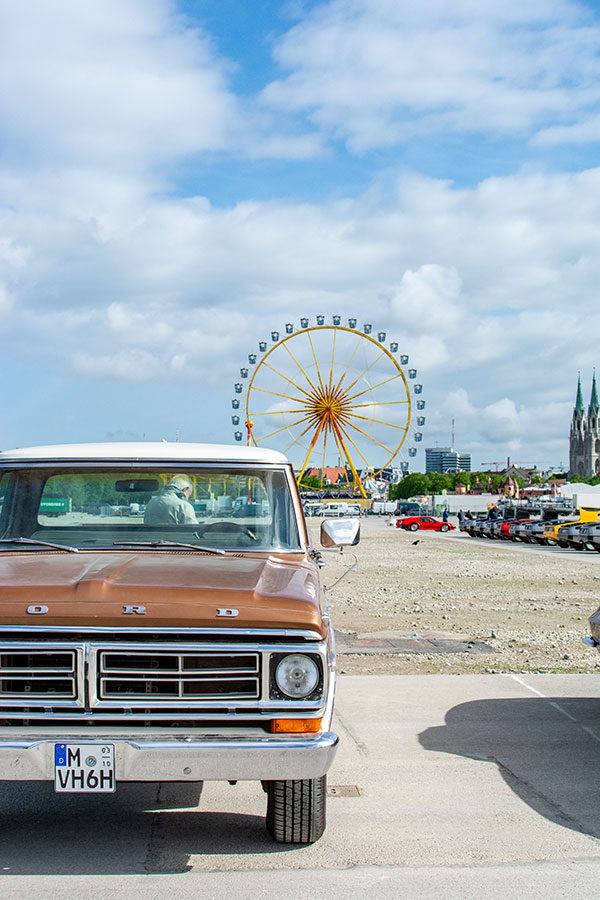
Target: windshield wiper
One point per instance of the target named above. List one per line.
(216, 550)
(22, 540)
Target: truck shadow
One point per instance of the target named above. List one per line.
(141, 829)
(546, 750)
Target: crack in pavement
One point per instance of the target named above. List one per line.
(360, 745)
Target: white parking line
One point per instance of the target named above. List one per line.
(556, 706)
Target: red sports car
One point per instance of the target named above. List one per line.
(426, 523)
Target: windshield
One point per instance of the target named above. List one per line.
(215, 508)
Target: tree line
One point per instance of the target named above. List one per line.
(416, 484)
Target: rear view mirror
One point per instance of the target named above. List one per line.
(340, 532)
(141, 485)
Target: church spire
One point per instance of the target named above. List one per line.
(579, 408)
(594, 407)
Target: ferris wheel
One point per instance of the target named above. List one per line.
(331, 395)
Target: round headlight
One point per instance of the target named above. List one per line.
(297, 675)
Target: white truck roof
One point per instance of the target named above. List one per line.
(147, 450)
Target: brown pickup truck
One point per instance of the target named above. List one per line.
(162, 619)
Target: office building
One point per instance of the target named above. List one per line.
(446, 460)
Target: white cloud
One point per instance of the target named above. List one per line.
(120, 82)
(146, 328)
(6, 299)
(428, 299)
(491, 289)
(375, 72)
(501, 421)
(457, 403)
(531, 431)
(134, 365)
(584, 131)
(506, 271)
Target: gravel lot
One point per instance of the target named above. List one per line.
(529, 605)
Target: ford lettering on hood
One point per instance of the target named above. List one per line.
(174, 589)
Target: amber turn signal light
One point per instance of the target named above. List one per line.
(296, 726)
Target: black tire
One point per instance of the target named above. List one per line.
(414, 526)
(296, 810)
(443, 528)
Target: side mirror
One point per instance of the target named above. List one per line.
(340, 532)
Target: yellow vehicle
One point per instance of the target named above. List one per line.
(581, 515)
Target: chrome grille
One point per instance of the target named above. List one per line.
(162, 677)
(38, 673)
(172, 675)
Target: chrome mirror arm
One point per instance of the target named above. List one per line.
(329, 587)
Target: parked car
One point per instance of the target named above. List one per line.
(407, 508)
(503, 531)
(333, 510)
(476, 525)
(166, 651)
(519, 529)
(594, 639)
(311, 508)
(581, 515)
(425, 523)
(536, 532)
(588, 536)
(594, 534)
(571, 537)
(486, 527)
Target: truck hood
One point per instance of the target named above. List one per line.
(174, 589)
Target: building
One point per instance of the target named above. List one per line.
(509, 487)
(446, 460)
(329, 475)
(584, 439)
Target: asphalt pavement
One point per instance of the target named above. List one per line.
(444, 786)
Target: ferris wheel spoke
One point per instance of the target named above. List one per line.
(332, 360)
(356, 448)
(296, 439)
(372, 387)
(277, 412)
(345, 455)
(299, 367)
(281, 375)
(310, 450)
(277, 394)
(324, 452)
(285, 428)
(375, 403)
(371, 438)
(316, 363)
(339, 384)
(377, 421)
(362, 374)
(339, 445)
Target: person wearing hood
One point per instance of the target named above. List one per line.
(172, 506)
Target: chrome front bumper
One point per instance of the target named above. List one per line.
(218, 758)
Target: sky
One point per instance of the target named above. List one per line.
(178, 179)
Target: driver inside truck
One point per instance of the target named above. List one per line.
(172, 506)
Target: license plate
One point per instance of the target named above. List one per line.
(84, 768)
